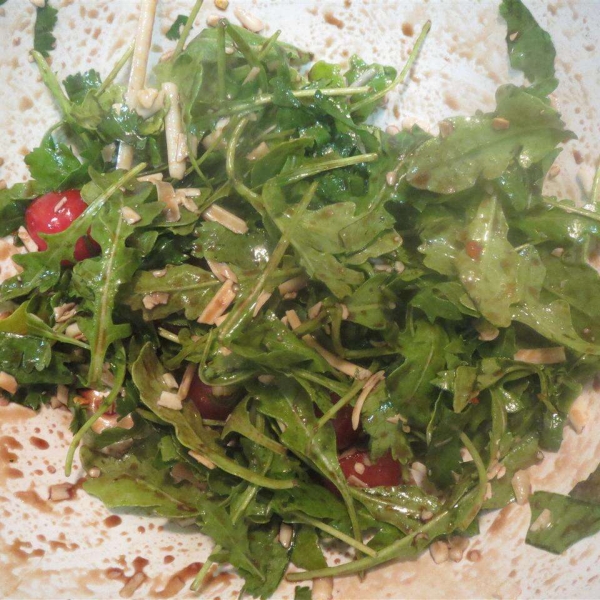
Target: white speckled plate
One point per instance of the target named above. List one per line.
(75, 548)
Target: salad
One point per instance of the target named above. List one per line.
(292, 329)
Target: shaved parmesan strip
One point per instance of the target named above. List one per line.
(371, 384)
(167, 194)
(293, 285)
(219, 304)
(137, 76)
(173, 131)
(203, 460)
(541, 356)
(222, 271)
(219, 215)
(260, 302)
(336, 362)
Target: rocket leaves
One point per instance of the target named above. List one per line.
(386, 297)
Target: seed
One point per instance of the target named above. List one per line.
(439, 552)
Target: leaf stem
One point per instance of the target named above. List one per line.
(241, 310)
(310, 170)
(187, 28)
(345, 399)
(335, 533)
(595, 193)
(221, 59)
(253, 198)
(262, 100)
(401, 76)
(52, 83)
(482, 475)
(120, 368)
(115, 71)
(575, 210)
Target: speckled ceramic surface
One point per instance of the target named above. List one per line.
(75, 548)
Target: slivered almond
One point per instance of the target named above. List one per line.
(8, 383)
(541, 356)
(203, 460)
(130, 216)
(293, 285)
(222, 216)
(222, 271)
(261, 150)
(167, 194)
(170, 381)
(154, 299)
(64, 312)
(170, 400)
(260, 302)
(314, 310)
(61, 491)
(27, 240)
(186, 380)
(219, 304)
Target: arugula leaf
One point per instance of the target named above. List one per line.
(569, 521)
(99, 279)
(190, 431)
(409, 384)
(77, 86)
(523, 128)
(55, 167)
(174, 32)
(306, 551)
(190, 289)
(45, 20)
(134, 481)
(30, 360)
(530, 48)
(488, 265)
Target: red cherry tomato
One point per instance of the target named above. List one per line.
(49, 214)
(357, 468)
(342, 424)
(216, 408)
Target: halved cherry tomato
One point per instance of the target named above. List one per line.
(342, 424)
(49, 214)
(216, 408)
(358, 468)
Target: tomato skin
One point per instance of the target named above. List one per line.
(210, 407)
(41, 217)
(342, 424)
(384, 472)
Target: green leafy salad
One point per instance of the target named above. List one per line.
(291, 328)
